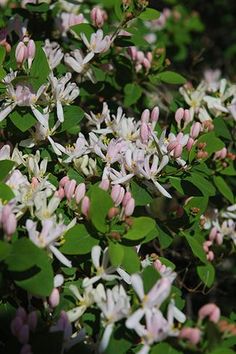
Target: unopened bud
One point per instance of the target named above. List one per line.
(112, 212)
(54, 298)
(85, 206)
(80, 192)
(129, 208)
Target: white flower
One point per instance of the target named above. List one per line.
(51, 232)
(97, 43)
(83, 301)
(53, 53)
(76, 61)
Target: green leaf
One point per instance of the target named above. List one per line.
(132, 94)
(150, 277)
(170, 77)
(22, 119)
(130, 262)
(100, 203)
(213, 144)
(140, 194)
(83, 28)
(149, 14)
(223, 188)
(40, 68)
(223, 350)
(196, 248)
(164, 348)
(163, 235)
(202, 184)
(117, 9)
(5, 249)
(30, 267)
(5, 168)
(72, 117)
(116, 253)
(206, 274)
(220, 128)
(6, 193)
(141, 227)
(43, 7)
(119, 340)
(196, 203)
(78, 241)
(2, 54)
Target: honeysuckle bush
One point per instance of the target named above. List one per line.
(117, 206)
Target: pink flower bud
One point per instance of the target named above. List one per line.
(112, 213)
(63, 181)
(69, 189)
(20, 53)
(210, 256)
(144, 133)
(178, 151)
(213, 233)
(26, 349)
(219, 238)
(195, 130)
(132, 52)
(190, 144)
(210, 310)
(140, 56)
(179, 114)
(120, 197)
(115, 192)
(31, 49)
(54, 298)
(16, 325)
(206, 245)
(146, 63)
(155, 114)
(145, 116)
(129, 208)
(60, 193)
(32, 320)
(104, 184)
(187, 117)
(149, 56)
(98, 16)
(221, 154)
(126, 198)
(172, 145)
(9, 226)
(193, 335)
(80, 192)
(85, 206)
(23, 334)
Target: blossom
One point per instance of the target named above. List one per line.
(76, 61)
(53, 53)
(97, 43)
(83, 302)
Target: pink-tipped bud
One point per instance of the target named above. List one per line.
(206, 245)
(172, 145)
(210, 256)
(23, 334)
(129, 208)
(179, 114)
(80, 192)
(54, 298)
(193, 335)
(85, 206)
(155, 114)
(144, 133)
(145, 116)
(104, 184)
(98, 16)
(16, 325)
(60, 193)
(112, 213)
(146, 63)
(195, 130)
(31, 49)
(187, 116)
(213, 233)
(190, 144)
(10, 225)
(126, 198)
(221, 154)
(115, 192)
(210, 310)
(63, 181)
(178, 151)
(140, 56)
(70, 189)
(149, 56)
(32, 320)
(26, 349)
(219, 238)
(20, 53)
(133, 52)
